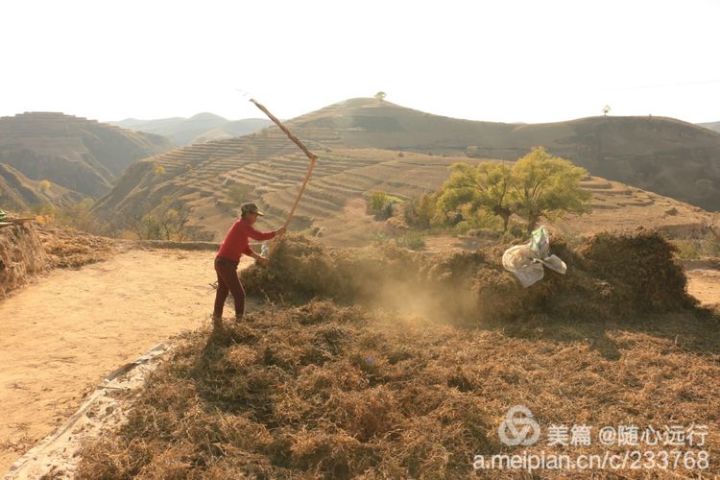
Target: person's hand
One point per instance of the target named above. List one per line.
(281, 230)
(263, 261)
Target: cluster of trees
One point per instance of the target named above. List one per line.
(77, 215)
(537, 185)
(168, 221)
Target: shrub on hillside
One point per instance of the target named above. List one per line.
(421, 211)
(413, 241)
(381, 205)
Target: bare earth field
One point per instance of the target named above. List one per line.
(704, 284)
(62, 334)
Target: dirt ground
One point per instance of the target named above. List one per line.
(65, 332)
(704, 284)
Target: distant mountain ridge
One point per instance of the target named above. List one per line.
(711, 125)
(365, 145)
(196, 129)
(80, 157)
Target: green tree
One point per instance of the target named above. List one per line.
(380, 96)
(421, 211)
(537, 185)
(482, 187)
(545, 185)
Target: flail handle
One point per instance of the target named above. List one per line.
(311, 156)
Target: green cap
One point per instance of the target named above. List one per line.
(250, 208)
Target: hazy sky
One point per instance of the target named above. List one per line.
(508, 60)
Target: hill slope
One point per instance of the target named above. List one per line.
(17, 192)
(712, 126)
(198, 128)
(664, 155)
(79, 154)
(367, 145)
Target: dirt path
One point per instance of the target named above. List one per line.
(63, 334)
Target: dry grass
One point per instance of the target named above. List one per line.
(323, 390)
(70, 248)
(21, 256)
(608, 277)
(301, 268)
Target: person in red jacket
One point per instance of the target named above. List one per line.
(236, 244)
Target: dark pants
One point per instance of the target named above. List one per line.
(228, 281)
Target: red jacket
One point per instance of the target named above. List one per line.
(237, 240)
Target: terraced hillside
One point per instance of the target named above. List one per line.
(19, 193)
(619, 207)
(199, 128)
(366, 145)
(334, 202)
(78, 154)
